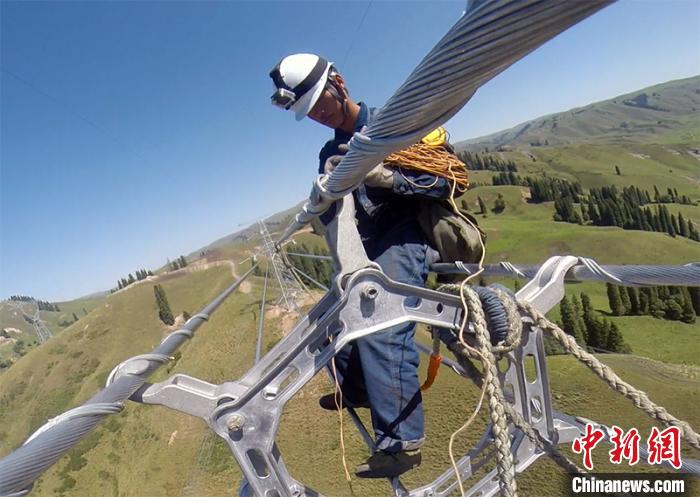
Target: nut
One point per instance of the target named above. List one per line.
(369, 292)
(235, 422)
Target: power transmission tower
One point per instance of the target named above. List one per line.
(289, 286)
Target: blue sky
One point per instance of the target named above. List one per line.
(135, 131)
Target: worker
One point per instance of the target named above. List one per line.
(380, 370)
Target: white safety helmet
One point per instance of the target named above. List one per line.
(299, 81)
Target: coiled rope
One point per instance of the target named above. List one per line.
(436, 160)
(473, 302)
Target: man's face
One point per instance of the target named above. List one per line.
(328, 111)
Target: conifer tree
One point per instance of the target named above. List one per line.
(499, 204)
(569, 322)
(674, 307)
(644, 301)
(674, 224)
(614, 300)
(584, 212)
(593, 213)
(633, 295)
(615, 342)
(589, 319)
(657, 307)
(683, 226)
(164, 312)
(668, 221)
(694, 293)
(687, 313)
(603, 332)
(578, 316)
(625, 299)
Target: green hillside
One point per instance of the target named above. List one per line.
(525, 233)
(155, 452)
(662, 113)
(11, 319)
(143, 450)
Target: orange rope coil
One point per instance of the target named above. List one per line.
(436, 160)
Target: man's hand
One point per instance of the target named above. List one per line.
(333, 161)
(380, 177)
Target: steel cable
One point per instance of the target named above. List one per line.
(590, 270)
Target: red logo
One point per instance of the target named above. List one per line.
(587, 443)
(662, 446)
(626, 447)
(665, 446)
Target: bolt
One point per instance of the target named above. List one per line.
(369, 292)
(235, 422)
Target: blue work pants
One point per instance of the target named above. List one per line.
(382, 368)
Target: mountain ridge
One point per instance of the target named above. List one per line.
(668, 109)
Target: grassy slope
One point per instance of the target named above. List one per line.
(12, 318)
(527, 234)
(67, 308)
(143, 450)
(153, 451)
(662, 113)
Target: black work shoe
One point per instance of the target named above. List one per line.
(328, 402)
(388, 464)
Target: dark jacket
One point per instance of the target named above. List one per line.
(379, 210)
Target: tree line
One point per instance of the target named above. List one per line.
(478, 162)
(675, 303)
(543, 189)
(42, 305)
(670, 197)
(607, 206)
(318, 269)
(178, 263)
(579, 320)
(141, 274)
(499, 205)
